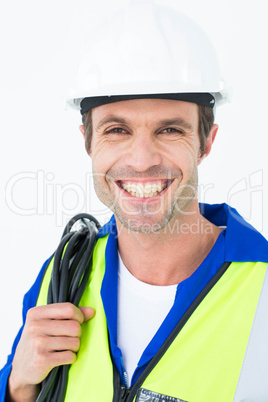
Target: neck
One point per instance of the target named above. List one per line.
(171, 255)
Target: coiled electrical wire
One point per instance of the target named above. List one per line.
(71, 269)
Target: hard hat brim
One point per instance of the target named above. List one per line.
(205, 99)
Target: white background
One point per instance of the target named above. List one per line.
(39, 139)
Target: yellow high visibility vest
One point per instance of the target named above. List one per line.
(202, 364)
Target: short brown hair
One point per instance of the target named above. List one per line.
(206, 120)
(87, 122)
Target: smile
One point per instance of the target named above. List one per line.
(145, 190)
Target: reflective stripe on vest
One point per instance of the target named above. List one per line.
(202, 364)
(253, 382)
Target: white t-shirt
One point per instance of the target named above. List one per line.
(141, 310)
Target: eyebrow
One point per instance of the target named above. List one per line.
(111, 118)
(166, 122)
(177, 122)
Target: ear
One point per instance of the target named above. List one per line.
(210, 139)
(82, 129)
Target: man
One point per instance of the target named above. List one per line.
(174, 309)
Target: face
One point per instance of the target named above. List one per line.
(144, 156)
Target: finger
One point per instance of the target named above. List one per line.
(60, 343)
(60, 358)
(56, 311)
(49, 327)
(88, 312)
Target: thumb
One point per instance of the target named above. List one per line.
(88, 313)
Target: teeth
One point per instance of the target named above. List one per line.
(147, 188)
(144, 191)
(139, 190)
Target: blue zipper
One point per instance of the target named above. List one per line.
(124, 376)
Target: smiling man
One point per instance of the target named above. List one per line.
(145, 154)
(175, 308)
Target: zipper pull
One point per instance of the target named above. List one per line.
(124, 394)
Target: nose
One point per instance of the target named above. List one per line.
(143, 153)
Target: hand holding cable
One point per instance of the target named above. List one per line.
(51, 337)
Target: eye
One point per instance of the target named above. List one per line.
(172, 130)
(116, 130)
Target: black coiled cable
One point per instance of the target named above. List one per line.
(70, 273)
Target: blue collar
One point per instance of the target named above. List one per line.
(243, 242)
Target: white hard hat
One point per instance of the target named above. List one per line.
(148, 50)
